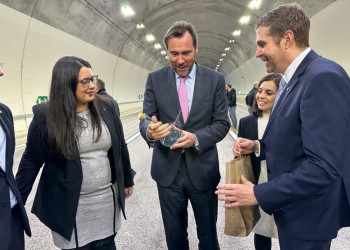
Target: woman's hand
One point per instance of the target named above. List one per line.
(128, 192)
(244, 146)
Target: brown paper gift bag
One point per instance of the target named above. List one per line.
(239, 221)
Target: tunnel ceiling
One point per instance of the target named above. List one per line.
(100, 23)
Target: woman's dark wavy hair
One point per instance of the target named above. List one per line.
(63, 124)
(276, 78)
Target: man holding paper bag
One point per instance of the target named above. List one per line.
(306, 143)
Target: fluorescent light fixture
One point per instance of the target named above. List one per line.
(231, 41)
(163, 52)
(254, 4)
(140, 26)
(127, 10)
(227, 48)
(150, 38)
(166, 57)
(223, 54)
(157, 46)
(244, 19)
(221, 59)
(236, 33)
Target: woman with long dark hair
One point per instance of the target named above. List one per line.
(253, 127)
(78, 137)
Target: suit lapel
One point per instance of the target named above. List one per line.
(9, 139)
(290, 86)
(172, 90)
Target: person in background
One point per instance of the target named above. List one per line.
(253, 127)
(249, 99)
(306, 143)
(13, 217)
(189, 170)
(78, 139)
(101, 90)
(231, 100)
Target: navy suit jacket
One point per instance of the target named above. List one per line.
(307, 147)
(7, 180)
(207, 119)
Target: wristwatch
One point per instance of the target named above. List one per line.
(196, 143)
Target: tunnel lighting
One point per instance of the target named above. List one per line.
(127, 10)
(140, 26)
(150, 38)
(221, 59)
(236, 33)
(227, 48)
(244, 19)
(163, 52)
(223, 54)
(254, 4)
(231, 41)
(157, 46)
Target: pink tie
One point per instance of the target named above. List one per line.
(183, 98)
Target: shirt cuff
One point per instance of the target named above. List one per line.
(258, 154)
(151, 142)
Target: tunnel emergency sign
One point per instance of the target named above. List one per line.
(41, 99)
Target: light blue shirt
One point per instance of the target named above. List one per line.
(3, 162)
(190, 81)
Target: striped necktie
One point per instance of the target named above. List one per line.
(281, 87)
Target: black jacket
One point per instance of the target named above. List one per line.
(7, 180)
(249, 99)
(231, 97)
(103, 93)
(248, 128)
(58, 192)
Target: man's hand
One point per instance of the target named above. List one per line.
(156, 131)
(237, 194)
(128, 192)
(186, 141)
(244, 146)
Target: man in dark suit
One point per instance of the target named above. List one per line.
(231, 100)
(13, 217)
(101, 90)
(188, 170)
(307, 140)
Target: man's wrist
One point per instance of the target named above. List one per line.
(196, 143)
(254, 147)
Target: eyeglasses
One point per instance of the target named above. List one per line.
(86, 81)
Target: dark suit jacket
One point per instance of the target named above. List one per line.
(7, 181)
(307, 147)
(58, 192)
(231, 97)
(104, 94)
(207, 120)
(248, 128)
